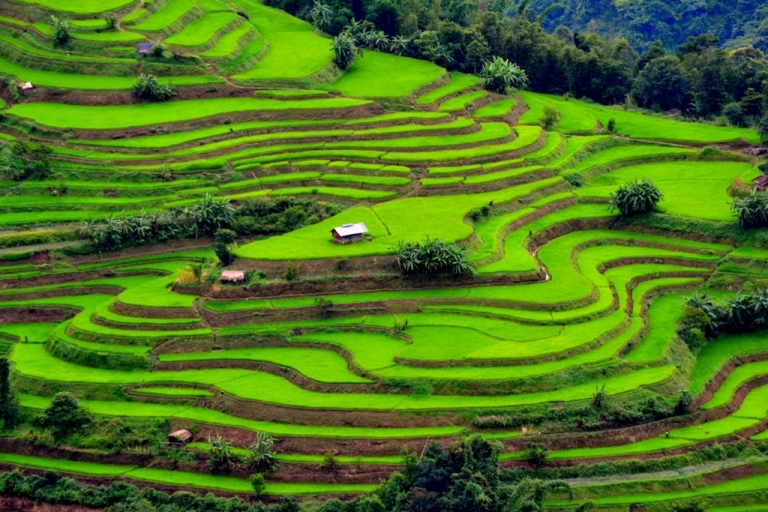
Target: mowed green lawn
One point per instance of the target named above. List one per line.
(377, 74)
(691, 189)
(59, 115)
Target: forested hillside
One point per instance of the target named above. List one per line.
(736, 23)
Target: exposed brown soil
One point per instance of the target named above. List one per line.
(29, 314)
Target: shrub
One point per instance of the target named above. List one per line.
(692, 328)
(65, 416)
(324, 306)
(148, 88)
(598, 398)
(498, 74)
(223, 254)
(330, 464)
(157, 50)
(636, 197)
(575, 179)
(110, 21)
(536, 454)
(61, 33)
(611, 125)
(684, 401)
(550, 118)
(22, 161)
(258, 483)
(291, 272)
(9, 404)
(752, 210)
(432, 257)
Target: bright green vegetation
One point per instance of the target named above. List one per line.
(461, 102)
(81, 7)
(378, 74)
(691, 189)
(333, 344)
(125, 116)
(458, 82)
(578, 116)
(182, 392)
(202, 30)
(498, 109)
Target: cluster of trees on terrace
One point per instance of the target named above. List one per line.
(705, 318)
(21, 160)
(204, 218)
(432, 257)
(700, 78)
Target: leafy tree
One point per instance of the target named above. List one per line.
(762, 129)
(636, 197)
(224, 238)
(258, 483)
(661, 83)
(611, 125)
(385, 17)
(752, 210)
(221, 459)
(330, 464)
(65, 416)
(735, 114)
(684, 402)
(345, 50)
(499, 74)
(259, 455)
(110, 21)
(146, 87)
(61, 33)
(9, 404)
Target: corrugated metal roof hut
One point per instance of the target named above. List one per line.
(349, 233)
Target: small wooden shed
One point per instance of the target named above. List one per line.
(349, 233)
(145, 48)
(26, 87)
(233, 277)
(180, 437)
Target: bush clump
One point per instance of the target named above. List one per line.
(432, 257)
(703, 318)
(752, 210)
(148, 88)
(634, 198)
(499, 74)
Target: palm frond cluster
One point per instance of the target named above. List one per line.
(432, 257)
(741, 313)
(117, 232)
(499, 74)
(751, 210)
(635, 197)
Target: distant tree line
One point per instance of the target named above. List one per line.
(700, 79)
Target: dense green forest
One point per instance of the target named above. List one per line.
(736, 23)
(699, 77)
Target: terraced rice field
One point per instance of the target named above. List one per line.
(565, 299)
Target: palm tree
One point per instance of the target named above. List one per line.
(345, 50)
(211, 213)
(529, 494)
(439, 54)
(376, 39)
(260, 456)
(635, 197)
(752, 210)
(399, 45)
(499, 74)
(321, 15)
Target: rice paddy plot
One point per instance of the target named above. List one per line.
(376, 75)
(691, 189)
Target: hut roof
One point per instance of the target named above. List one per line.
(183, 435)
(351, 229)
(233, 275)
